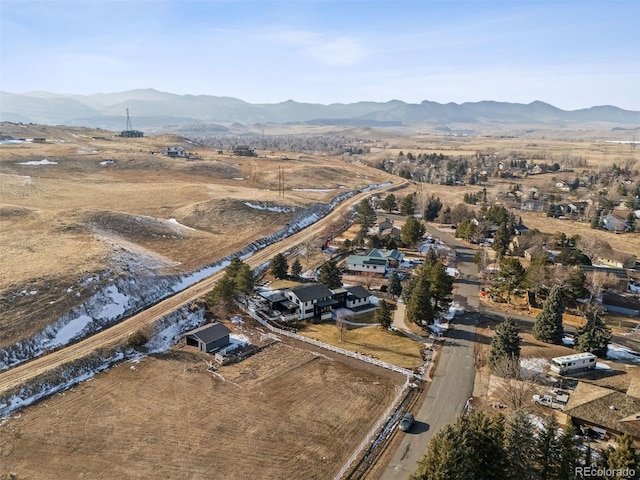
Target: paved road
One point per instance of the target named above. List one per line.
(454, 376)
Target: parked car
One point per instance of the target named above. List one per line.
(406, 422)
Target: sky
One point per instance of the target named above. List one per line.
(572, 54)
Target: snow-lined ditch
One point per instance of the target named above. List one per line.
(168, 331)
(129, 295)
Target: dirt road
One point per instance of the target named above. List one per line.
(116, 334)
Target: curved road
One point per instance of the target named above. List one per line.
(20, 374)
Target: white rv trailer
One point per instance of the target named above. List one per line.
(578, 362)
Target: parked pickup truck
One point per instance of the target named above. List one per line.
(548, 401)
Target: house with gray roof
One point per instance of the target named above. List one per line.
(209, 338)
(313, 300)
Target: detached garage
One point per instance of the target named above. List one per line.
(209, 338)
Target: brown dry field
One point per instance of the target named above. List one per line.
(283, 413)
(62, 223)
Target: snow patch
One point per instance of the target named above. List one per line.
(569, 341)
(44, 161)
(269, 208)
(69, 331)
(453, 272)
(618, 352)
(320, 190)
(533, 366)
(175, 222)
(237, 341)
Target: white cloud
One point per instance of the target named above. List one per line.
(324, 48)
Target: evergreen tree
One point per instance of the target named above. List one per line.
(408, 205)
(296, 268)
(365, 215)
(505, 344)
(330, 275)
(390, 203)
(569, 454)
(519, 443)
(440, 284)
(501, 239)
(244, 280)
(471, 448)
(547, 453)
(431, 211)
(548, 326)
(510, 277)
(412, 231)
(442, 459)
(278, 266)
(395, 287)
(624, 456)
(420, 309)
(594, 336)
(383, 315)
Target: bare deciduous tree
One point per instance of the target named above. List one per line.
(516, 386)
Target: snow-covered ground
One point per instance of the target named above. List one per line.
(533, 366)
(237, 341)
(320, 190)
(568, 341)
(269, 208)
(176, 222)
(618, 352)
(453, 272)
(44, 161)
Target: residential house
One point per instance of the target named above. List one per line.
(621, 304)
(533, 205)
(608, 412)
(394, 232)
(175, 151)
(616, 259)
(244, 151)
(209, 338)
(354, 298)
(312, 300)
(620, 274)
(376, 261)
(614, 223)
(385, 225)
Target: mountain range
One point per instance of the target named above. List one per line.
(152, 109)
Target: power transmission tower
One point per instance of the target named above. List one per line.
(129, 127)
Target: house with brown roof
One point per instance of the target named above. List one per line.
(616, 259)
(606, 411)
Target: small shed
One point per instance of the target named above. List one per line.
(209, 338)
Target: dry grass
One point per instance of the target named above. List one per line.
(384, 345)
(63, 222)
(284, 413)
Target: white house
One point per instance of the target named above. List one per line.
(376, 261)
(357, 296)
(175, 152)
(312, 300)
